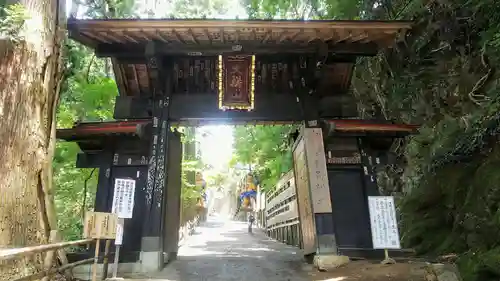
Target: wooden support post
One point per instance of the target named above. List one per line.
(105, 260)
(61, 253)
(96, 260)
(117, 256)
(290, 235)
(49, 256)
(172, 198)
(297, 235)
(387, 259)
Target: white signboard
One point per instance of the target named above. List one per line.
(383, 222)
(123, 198)
(119, 232)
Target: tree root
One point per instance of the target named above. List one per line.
(474, 96)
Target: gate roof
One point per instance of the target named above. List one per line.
(215, 36)
(130, 41)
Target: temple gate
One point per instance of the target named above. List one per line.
(195, 72)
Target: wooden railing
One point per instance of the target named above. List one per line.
(282, 216)
(48, 261)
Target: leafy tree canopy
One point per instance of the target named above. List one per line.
(266, 148)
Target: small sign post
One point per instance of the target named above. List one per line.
(118, 243)
(123, 207)
(384, 225)
(99, 226)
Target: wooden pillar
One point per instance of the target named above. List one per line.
(305, 91)
(317, 224)
(151, 246)
(172, 198)
(288, 235)
(368, 159)
(295, 235)
(103, 191)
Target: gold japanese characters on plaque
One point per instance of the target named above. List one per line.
(236, 82)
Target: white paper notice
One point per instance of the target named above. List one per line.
(383, 222)
(119, 232)
(123, 198)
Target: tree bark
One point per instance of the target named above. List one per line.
(30, 76)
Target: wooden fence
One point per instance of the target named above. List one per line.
(282, 216)
(49, 256)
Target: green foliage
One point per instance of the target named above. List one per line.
(267, 148)
(189, 189)
(87, 94)
(12, 19)
(198, 8)
(301, 9)
(70, 185)
(217, 180)
(443, 77)
(110, 8)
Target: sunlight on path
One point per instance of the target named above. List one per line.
(221, 249)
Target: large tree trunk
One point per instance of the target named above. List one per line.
(30, 75)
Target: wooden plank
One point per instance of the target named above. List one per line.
(309, 30)
(249, 24)
(52, 271)
(8, 254)
(100, 225)
(307, 224)
(316, 167)
(123, 51)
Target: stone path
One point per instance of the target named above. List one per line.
(224, 251)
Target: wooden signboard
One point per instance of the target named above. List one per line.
(100, 225)
(236, 84)
(307, 224)
(316, 164)
(346, 158)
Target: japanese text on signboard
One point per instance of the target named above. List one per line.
(123, 198)
(99, 225)
(383, 222)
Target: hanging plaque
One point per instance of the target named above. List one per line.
(236, 82)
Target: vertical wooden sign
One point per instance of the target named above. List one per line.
(236, 82)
